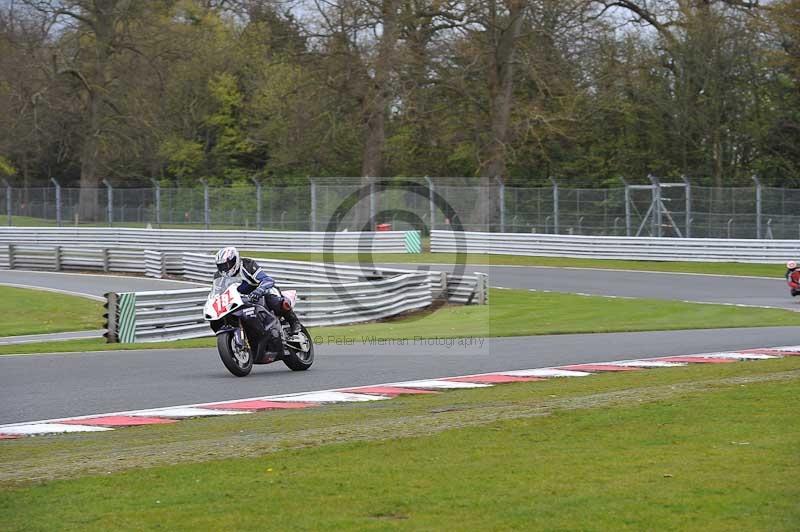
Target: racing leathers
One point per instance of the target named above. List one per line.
(793, 278)
(255, 287)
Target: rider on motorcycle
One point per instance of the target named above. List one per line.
(793, 275)
(255, 285)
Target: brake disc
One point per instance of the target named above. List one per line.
(241, 355)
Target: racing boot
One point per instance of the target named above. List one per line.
(294, 323)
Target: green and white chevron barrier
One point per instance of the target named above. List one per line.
(126, 322)
(413, 242)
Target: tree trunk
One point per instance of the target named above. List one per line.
(717, 156)
(501, 90)
(376, 104)
(372, 162)
(97, 79)
(88, 199)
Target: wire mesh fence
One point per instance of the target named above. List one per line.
(354, 204)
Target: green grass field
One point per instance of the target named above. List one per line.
(38, 311)
(510, 313)
(30, 221)
(723, 268)
(703, 447)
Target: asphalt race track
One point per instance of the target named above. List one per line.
(87, 284)
(53, 386)
(682, 287)
(61, 385)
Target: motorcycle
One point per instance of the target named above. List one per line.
(249, 333)
(793, 281)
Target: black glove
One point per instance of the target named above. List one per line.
(255, 296)
(249, 299)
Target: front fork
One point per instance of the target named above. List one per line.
(239, 338)
(272, 329)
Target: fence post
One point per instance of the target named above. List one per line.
(555, 205)
(502, 198)
(432, 203)
(157, 194)
(110, 202)
(206, 212)
(58, 201)
(688, 205)
(758, 206)
(106, 260)
(57, 259)
(258, 202)
(480, 286)
(313, 204)
(8, 202)
(657, 206)
(371, 203)
(627, 206)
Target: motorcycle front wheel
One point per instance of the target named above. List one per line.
(300, 354)
(239, 361)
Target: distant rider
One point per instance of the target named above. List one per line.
(793, 275)
(255, 284)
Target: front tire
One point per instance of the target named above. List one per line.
(300, 355)
(238, 361)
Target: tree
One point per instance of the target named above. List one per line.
(510, 90)
(36, 133)
(90, 33)
(777, 125)
(704, 43)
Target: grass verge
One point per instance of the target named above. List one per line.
(511, 313)
(39, 311)
(725, 268)
(708, 447)
(31, 221)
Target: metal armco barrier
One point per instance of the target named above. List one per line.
(201, 267)
(468, 289)
(328, 294)
(624, 248)
(60, 258)
(194, 240)
(463, 290)
(154, 264)
(176, 314)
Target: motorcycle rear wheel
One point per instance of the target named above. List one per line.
(297, 359)
(238, 365)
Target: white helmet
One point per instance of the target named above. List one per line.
(792, 265)
(228, 261)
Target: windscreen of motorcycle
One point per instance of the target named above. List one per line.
(222, 283)
(223, 298)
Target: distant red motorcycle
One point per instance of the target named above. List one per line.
(793, 278)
